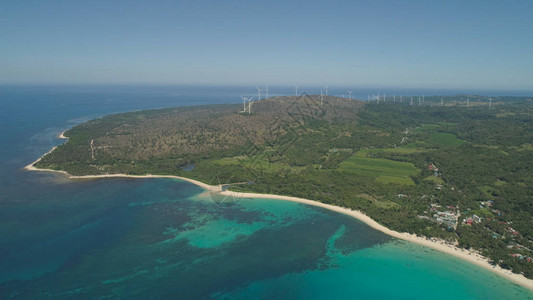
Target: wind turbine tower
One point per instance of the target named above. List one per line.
(441, 101)
(321, 97)
(266, 89)
(394, 99)
(258, 93)
(401, 99)
(250, 105)
(490, 102)
(326, 89)
(418, 101)
(350, 92)
(244, 99)
(467, 102)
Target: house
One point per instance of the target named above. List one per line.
(476, 218)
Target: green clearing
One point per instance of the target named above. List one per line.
(419, 145)
(500, 182)
(526, 147)
(505, 114)
(367, 152)
(482, 212)
(435, 179)
(447, 123)
(486, 191)
(499, 150)
(256, 163)
(426, 127)
(385, 204)
(445, 139)
(384, 170)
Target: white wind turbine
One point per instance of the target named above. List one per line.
(250, 105)
(244, 99)
(245, 107)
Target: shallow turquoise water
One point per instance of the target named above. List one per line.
(163, 238)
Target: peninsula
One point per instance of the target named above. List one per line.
(448, 174)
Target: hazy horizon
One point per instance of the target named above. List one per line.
(477, 45)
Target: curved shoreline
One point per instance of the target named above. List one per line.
(436, 244)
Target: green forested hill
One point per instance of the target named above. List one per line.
(459, 173)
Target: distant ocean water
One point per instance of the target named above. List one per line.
(163, 238)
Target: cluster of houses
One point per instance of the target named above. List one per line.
(488, 204)
(434, 169)
(472, 220)
(448, 217)
(522, 257)
(511, 230)
(496, 211)
(483, 204)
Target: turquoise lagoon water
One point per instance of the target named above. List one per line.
(165, 238)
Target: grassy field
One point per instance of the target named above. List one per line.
(435, 179)
(384, 170)
(445, 139)
(255, 163)
(524, 147)
(440, 138)
(386, 204)
(427, 127)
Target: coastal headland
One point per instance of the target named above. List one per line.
(446, 175)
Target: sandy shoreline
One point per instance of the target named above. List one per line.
(439, 245)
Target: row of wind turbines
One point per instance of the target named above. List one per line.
(377, 98)
(247, 101)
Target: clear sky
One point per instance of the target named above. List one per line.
(413, 44)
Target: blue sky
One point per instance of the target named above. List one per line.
(411, 44)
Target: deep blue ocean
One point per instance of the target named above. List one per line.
(167, 239)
